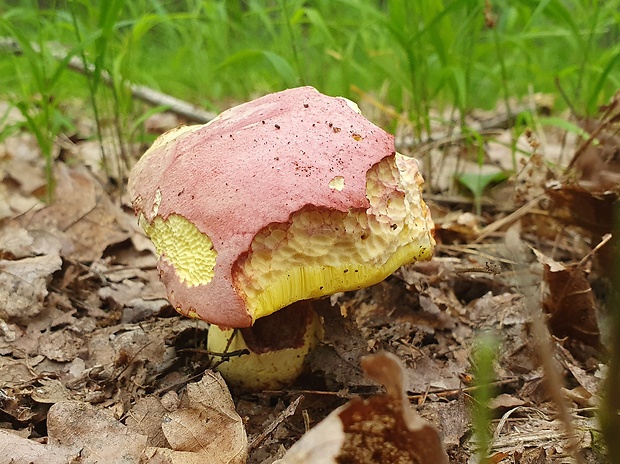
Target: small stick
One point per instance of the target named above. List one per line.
(518, 214)
(153, 97)
(606, 238)
(289, 411)
(488, 268)
(455, 393)
(442, 393)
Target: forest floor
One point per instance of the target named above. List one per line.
(97, 367)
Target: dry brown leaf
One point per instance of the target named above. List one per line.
(586, 381)
(16, 380)
(146, 418)
(574, 205)
(23, 285)
(505, 401)
(63, 345)
(18, 450)
(14, 373)
(382, 428)
(569, 302)
(27, 261)
(93, 435)
(83, 213)
(50, 391)
(140, 298)
(457, 227)
(29, 176)
(571, 305)
(452, 418)
(579, 395)
(205, 428)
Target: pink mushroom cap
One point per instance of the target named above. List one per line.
(246, 173)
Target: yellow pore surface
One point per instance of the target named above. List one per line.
(321, 252)
(181, 243)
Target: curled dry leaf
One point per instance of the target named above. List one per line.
(91, 434)
(19, 450)
(382, 428)
(205, 428)
(28, 258)
(569, 302)
(575, 205)
(87, 217)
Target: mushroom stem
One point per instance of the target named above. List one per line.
(278, 345)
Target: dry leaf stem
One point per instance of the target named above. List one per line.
(553, 380)
(609, 413)
(288, 412)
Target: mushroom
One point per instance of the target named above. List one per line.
(276, 202)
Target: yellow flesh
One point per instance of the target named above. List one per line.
(179, 242)
(323, 252)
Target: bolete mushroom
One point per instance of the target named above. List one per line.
(276, 202)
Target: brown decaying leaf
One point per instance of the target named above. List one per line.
(92, 434)
(27, 260)
(83, 213)
(23, 285)
(62, 346)
(50, 391)
(570, 302)
(382, 428)
(146, 417)
(577, 206)
(505, 401)
(205, 428)
(590, 210)
(18, 450)
(586, 381)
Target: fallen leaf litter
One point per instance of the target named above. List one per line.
(86, 333)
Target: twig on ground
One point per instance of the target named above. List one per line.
(606, 238)
(605, 120)
(518, 214)
(470, 249)
(153, 97)
(530, 288)
(488, 268)
(441, 393)
(288, 412)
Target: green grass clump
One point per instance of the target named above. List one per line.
(483, 357)
(421, 53)
(413, 56)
